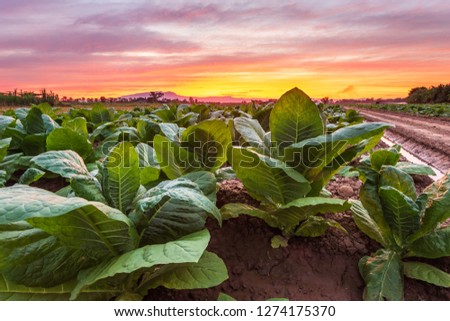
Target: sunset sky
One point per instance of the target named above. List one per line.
(332, 48)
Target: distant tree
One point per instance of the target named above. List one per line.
(155, 96)
(418, 95)
(325, 100)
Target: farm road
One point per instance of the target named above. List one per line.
(428, 138)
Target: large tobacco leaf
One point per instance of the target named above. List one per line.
(209, 140)
(171, 210)
(252, 132)
(66, 163)
(209, 271)
(311, 156)
(68, 139)
(428, 273)
(368, 225)
(294, 118)
(37, 226)
(401, 213)
(10, 291)
(121, 176)
(267, 179)
(188, 249)
(174, 160)
(383, 275)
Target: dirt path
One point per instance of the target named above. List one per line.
(425, 137)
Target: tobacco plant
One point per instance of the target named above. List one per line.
(404, 224)
(287, 168)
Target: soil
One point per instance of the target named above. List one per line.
(321, 268)
(428, 138)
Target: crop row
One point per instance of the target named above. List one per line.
(140, 185)
(433, 110)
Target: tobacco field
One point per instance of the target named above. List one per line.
(289, 200)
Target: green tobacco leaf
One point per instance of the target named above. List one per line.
(3, 178)
(46, 108)
(207, 183)
(34, 144)
(401, 213)
(322, 178)
(147, 156)
(294, 118)
(148, 163)
(4, 145)
(174, 160)
(121, 176)
(317, 226)
(99, 114)
(225, 173)
(428, 273)
(438, 205)
(368, 225)
(102, 131)
(433, 245)
(46, 239)
(171, 131)
(165, 115)
(209, 140)
(391, 176)
(311, 156)
(10, 164)
(31, 175)
(10, 291)
(21, 114)
(292, 214)
(278, 241)
(188, 249)
(265, 182)
(415, 169)
(17, 136)
(34, 123)
(49, 123)
(67, 139)
(383, 276)
(209, 271)
(78, 125)
(384, 157)
(170, 211)
(347, 171)
(87, 187)
(252, 132)
(66, 163)
(147, 129)
(368, 196)
(233, 210)
(5, 121)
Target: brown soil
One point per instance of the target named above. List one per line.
(321, 268)
(427, 138)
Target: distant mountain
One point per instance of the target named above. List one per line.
(211, 99)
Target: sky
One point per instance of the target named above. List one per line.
(339, 49)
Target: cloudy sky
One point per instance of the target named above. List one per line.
(242, 48)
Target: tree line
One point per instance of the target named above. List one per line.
(434, 94)
(26, 98)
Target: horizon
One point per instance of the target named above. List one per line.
(338, 49)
